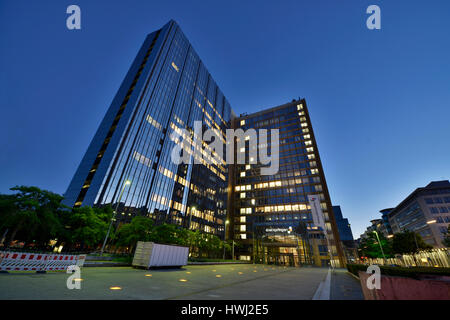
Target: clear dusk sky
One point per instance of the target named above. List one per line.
(379, 99)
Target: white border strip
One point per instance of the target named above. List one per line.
(323, 292)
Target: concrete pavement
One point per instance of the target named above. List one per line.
(207, 282)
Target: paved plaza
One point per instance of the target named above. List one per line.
(193, 282)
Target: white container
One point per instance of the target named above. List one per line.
(150, 254)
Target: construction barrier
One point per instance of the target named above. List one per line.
(22, 261)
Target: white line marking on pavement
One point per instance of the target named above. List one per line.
(324, 290)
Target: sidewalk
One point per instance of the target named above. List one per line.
(344, 286)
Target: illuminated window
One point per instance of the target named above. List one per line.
(247, 138)
(242, 220)
(237, 188)
(242, 195)
(253, 201)
(244, 236)
(248, 210)
(247, 167)
(310, 149)
(249, 187)
(243, 174)
(242, 122)
(242, 228)
(300, 106)
(242, 149)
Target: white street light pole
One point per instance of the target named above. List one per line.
(114, 215)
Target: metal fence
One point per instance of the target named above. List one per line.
(426, 258)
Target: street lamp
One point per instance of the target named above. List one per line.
(431, 221)
(224, 237)
(127, 182)
(379, 242)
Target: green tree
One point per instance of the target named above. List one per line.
(139, 229)
(408, 242)
(31, 214)
(86, 226)
(168, 234)
(369, 247)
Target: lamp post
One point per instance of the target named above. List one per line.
(224, 237)
(127, 182)
(381, 247)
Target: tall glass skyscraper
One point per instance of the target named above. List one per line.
(272, 213)
(166, 89)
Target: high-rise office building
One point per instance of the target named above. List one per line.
(272, 214)
(128, 163)
(425, 211)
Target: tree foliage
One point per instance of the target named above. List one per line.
(370, 247)
(36, 216)
(408, 242)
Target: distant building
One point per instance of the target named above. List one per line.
(386, 228)
(345, 234)
(425, 211)
(375, 226)
(345, 231)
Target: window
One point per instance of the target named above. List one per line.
(247, 167)
(242, 122)
(243, 174)
(242, 195)
(443, 210)
(434, 210)
(429, 200)
(437, 200)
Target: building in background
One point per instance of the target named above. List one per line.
(128, 163)
(271, 214)
(425, 211)
(345, 234)
(386, 228)
(345, 231)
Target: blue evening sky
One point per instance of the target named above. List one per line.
(379, 100)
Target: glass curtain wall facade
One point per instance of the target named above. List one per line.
(271, 214)
(166, 89)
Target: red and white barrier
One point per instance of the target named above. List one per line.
(23, 261)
